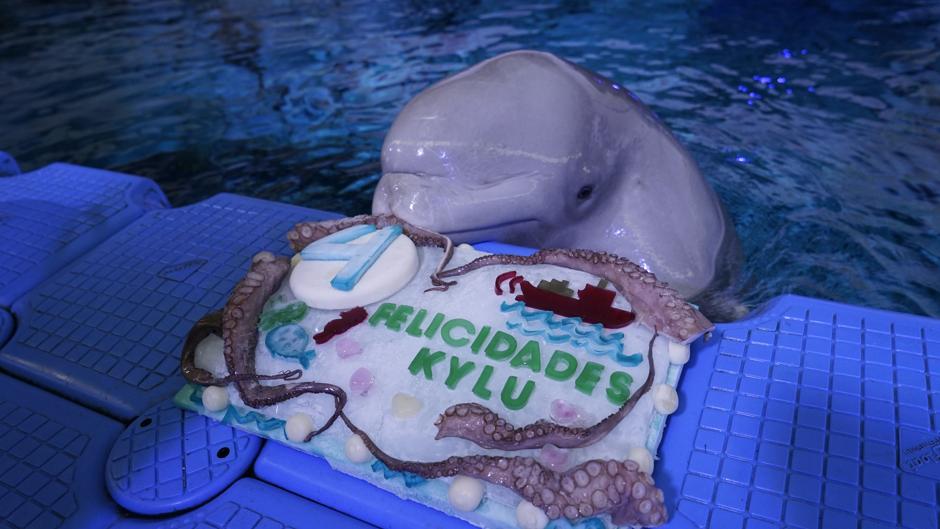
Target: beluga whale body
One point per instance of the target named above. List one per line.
(530, 149)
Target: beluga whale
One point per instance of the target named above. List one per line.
(530, 149)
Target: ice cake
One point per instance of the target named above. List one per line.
(508, 391)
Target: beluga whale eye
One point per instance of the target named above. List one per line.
(585, 192)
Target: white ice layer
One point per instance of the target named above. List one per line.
(388, 353)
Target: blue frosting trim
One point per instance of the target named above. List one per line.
(411, 480)
(572, 330)
(196, 396)
(263, 423)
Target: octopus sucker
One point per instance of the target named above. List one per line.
(469, 426)
(592, 488)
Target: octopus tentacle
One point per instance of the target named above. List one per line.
(212, 324)
(657, 306)
(240, 337)
(307, 232)
(592, 488)
(485, 428)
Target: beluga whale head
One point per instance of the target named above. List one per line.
(530, 149)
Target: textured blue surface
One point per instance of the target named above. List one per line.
(312, 477)
(250, 504)
(807, 415)
(51, 216)
(6, 326)
(52, 453)
(170, 459)
(107, 329)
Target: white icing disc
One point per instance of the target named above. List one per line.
(310, 280)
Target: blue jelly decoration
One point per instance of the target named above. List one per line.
(629, 360)
(359, 257)
(290, 341)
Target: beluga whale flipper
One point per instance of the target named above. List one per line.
(530, 149)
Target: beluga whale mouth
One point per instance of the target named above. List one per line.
(530, 149)
(442, 204)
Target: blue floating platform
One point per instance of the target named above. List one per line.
(250, 504)
(170, 459)
(6, 326)
(107, 329)
(809, 414)
(51, 216)
(52, 453)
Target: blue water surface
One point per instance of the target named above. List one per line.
(818, 123)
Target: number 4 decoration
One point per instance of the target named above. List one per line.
(359, 257)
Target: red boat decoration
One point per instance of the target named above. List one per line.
(593, 305)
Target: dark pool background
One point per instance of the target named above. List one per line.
(818, 123)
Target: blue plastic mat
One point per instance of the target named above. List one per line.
(170, 459)
(51, 216)
(107, 329)
(810, 414)
(6, 326)
(52, 453)
(250, 504)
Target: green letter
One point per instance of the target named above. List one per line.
(529, 356)
(424, 361)
(480, 389)
(382, 313)
(552, 370)
(478, 343)
(618, 391)
(501, 347)
(449, 326)
(589, 377)
(519, 402)
(457, 372)
(398, 317)
(414, 328)
(435, 323)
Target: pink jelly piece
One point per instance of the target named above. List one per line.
(361, 381)
(346, 347)
(553, 457)
(564, 413)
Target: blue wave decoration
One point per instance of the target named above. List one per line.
(261, 422)
(589, 337)
(196, 396)
(411, 480)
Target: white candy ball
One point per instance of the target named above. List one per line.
(298, 427)
(465, 494)
(215, 398)
(665, 399)
(356, 450)
(643, 458)
(404, 406)
(529, 516)
(678, 353)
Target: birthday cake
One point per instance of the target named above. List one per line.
(509, 391)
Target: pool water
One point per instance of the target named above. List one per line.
(818, 123)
